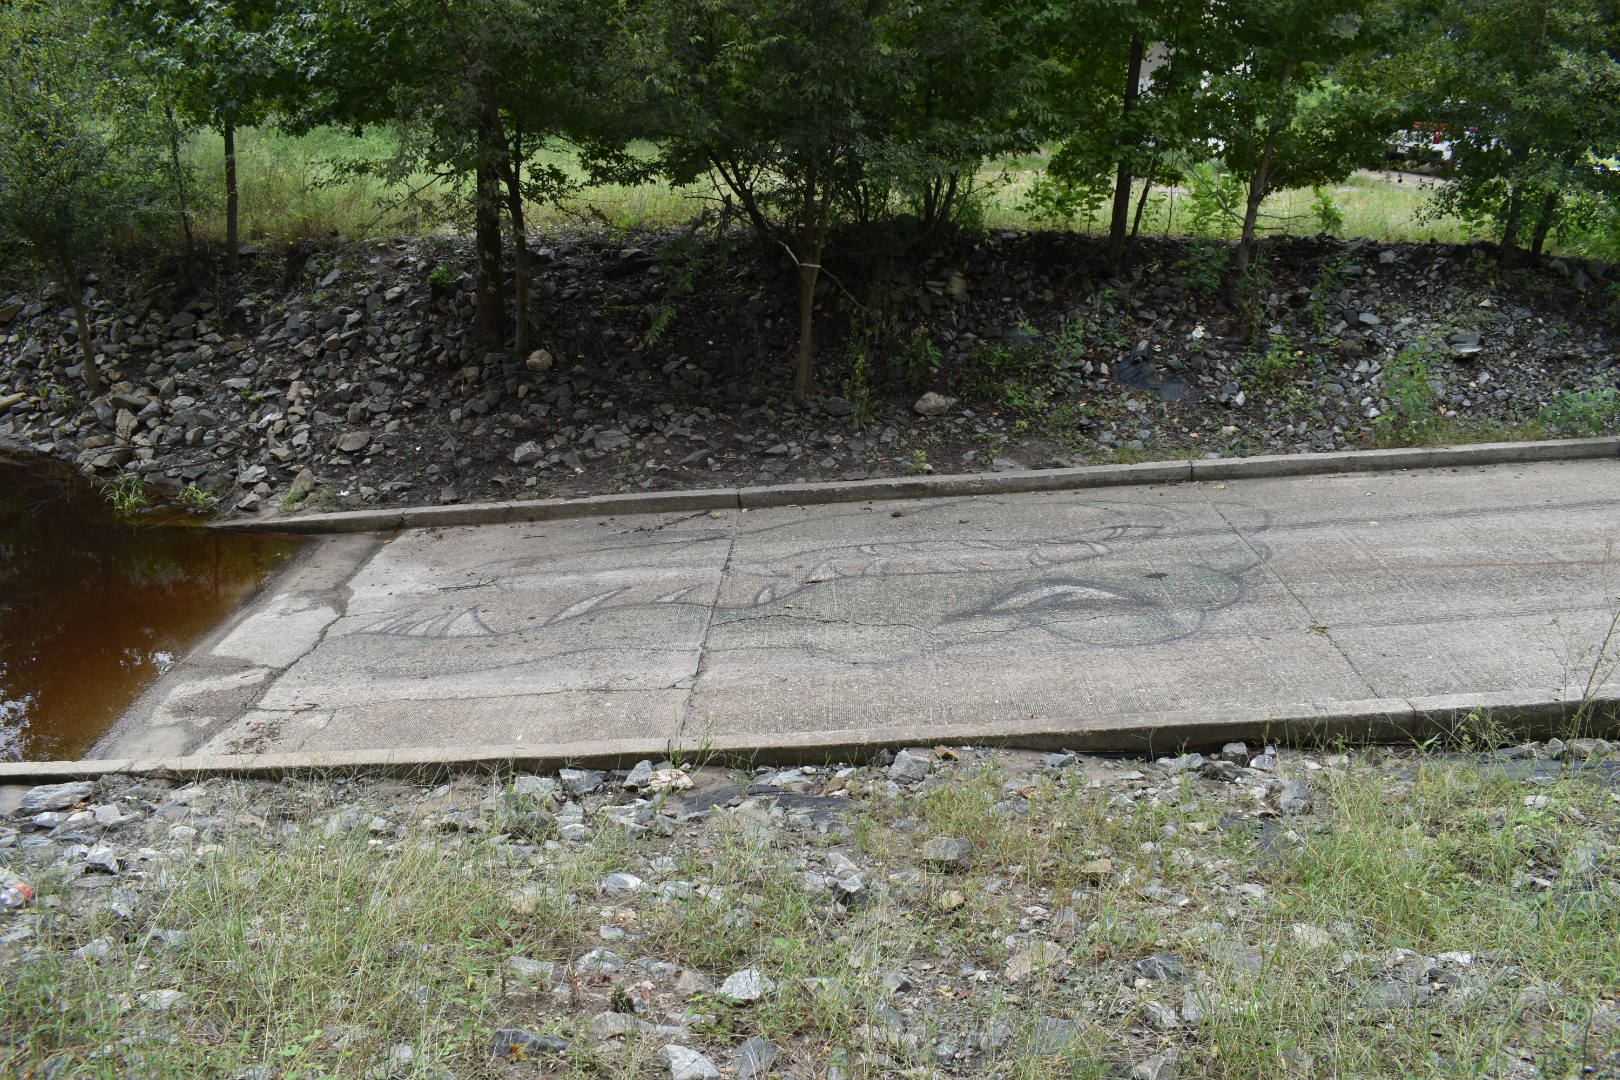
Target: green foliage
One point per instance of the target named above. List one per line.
(920, 360)
(1584, 413)
(82, 168)
(1408, 383)
(858, 390)
(1214, 201)
(196, 499)
(1529, 96)
(440, 277)
(1272, 370)
(1204, 263)
(1326, 213)
(127, 495)
(682, 263)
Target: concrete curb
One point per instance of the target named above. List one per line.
(1521, 714)
(925, 487)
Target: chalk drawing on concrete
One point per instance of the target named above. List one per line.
(1118, 575)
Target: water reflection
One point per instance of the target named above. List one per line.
(91, 610)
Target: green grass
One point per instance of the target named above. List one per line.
(289, 193)
(317, 947)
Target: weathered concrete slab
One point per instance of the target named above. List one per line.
(1121, 616)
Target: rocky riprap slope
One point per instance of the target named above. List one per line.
(944, 912)
(343, 377)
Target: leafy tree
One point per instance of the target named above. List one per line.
(81, 167)
(1272, 104)
(474, 91)
(223, 64)
(811, 113)
(1529, 95)
(1126, 71)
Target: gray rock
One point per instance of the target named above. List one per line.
(933, 404)
(1051, 1035)
(948, 851)
(837, 406)
(599, 962)
(1588, 749)
(1158, 1067)
(515, 1044)
(1162, 968)
(1035, 957)
(54, 797)
(687, 1064)
(752, 1058)
(1294, 798)
(742, 987)
(528, 453)
(536, 787)
(910, 766)
(162, 1000)
(1216, 769)
(103, 858)
(621, 885)
(580, 781)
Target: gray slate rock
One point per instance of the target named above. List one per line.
(753, 1058)
(744, 986)
(1162, 968)
(910, 766)
(580, 781)
(516, 1043)
(1052, 1035)
(948, 851)
(54, 797)
(687, 1064)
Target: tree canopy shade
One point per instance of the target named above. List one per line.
(82, 165)
(1528, 93)
(219, 63)
(810, 114)
(474, 90)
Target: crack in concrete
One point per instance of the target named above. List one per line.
(829, 622)
(341, 594)
(1311, 617)
(708, 628)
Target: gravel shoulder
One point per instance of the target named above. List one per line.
(947, 912)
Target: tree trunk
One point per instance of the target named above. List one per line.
(232, 200)
(1122, 178)
(809, 273)
(1258, 183)
(75, 291)
(1544, 224)
(1508, 252)
(1141, 204)
(520, 252)
(180, 187)
(491, 306)
(1251, 208)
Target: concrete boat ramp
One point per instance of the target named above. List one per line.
(1135, 616)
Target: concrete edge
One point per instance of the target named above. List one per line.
(944, 486)
(1521, 714)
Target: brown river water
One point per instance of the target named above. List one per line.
(93, 609)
